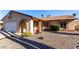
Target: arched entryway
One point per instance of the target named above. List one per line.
(23, 26)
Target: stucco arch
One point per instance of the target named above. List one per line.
(22, 26)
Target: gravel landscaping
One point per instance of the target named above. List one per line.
(57, 40)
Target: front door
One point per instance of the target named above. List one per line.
(63, 24)
(45, 25)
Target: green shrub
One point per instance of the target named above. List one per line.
(26, 34)
(55, 27)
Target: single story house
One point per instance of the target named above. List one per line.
(19, 22)
(66, 22)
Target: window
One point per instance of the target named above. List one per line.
(35, 24)
(63, 24)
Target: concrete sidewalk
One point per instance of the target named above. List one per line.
(2, 36)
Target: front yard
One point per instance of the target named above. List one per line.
(57, 40)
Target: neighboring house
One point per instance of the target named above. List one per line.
(1, 24)
(19, 22)
(66, 22)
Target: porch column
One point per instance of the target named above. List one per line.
(39, 26)
(31, 26)
(49, 24)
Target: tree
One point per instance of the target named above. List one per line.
(74, 14)
(42, 15)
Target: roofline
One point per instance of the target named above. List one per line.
(5, 15)
(57, 19)
(18, 13)
(43, 19)
(21, 13)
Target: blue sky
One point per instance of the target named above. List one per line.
(38, 13)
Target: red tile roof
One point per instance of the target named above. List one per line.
(66, 17)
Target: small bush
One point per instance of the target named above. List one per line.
(26, 34)
(55, 27)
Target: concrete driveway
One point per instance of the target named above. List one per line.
(6, 43)
(25, 42)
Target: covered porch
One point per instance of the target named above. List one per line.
(25, 26)
(33, 26)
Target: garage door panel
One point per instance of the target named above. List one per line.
(10, 26)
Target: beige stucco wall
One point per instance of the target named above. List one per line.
(71, 25)
(15, 17)
(54, 22)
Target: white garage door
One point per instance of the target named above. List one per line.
(11, 26)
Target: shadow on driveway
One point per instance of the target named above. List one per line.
(37, 44)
